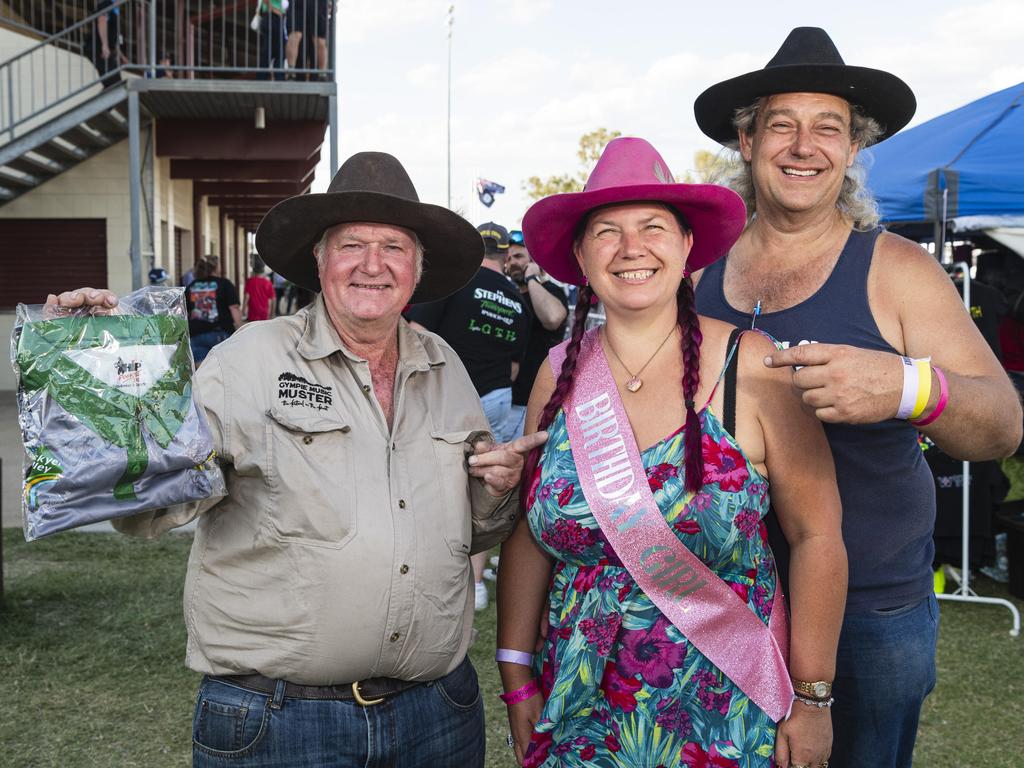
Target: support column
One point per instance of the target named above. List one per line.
(197, 227)
(135, 187)
(223, 238)
(332, 127)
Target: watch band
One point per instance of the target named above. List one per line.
(819, 689)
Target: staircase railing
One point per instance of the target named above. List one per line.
(41, 18)
(223, 39)
(48, 75)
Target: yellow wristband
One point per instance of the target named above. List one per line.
(924, 388)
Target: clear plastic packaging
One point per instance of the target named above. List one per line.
(106, 411)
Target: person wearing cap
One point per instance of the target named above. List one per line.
(487, 324)
(548, 309)
(328, 597)
(877, 342)
(667, 640)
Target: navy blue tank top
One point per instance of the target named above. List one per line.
(886, 488)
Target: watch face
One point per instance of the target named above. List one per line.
(821, 689)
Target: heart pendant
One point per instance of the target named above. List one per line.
(634, 384)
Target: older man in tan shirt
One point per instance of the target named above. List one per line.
(328, 599)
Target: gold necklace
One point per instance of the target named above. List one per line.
(635, 382)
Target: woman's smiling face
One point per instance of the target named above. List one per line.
(634, 255)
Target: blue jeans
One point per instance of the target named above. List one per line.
(516, 421)
(202, 343)
(436, 724)
(497, 403)
(884, 670)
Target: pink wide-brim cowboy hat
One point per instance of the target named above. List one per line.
(630, 170)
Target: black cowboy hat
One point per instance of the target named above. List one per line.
(371, 187)
(808, 61)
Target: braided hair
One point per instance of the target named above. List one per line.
(690, 341)
(691, 338)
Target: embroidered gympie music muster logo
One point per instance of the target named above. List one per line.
(293, 390)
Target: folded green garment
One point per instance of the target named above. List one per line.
(107, 416)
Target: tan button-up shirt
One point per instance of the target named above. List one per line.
(341, 551)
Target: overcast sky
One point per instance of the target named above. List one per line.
(529, 77)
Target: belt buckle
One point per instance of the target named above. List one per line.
(359, 697)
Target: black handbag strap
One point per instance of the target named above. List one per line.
(729, 393)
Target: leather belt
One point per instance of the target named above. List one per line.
(364, 692)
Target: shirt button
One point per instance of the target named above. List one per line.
(366, 387)
(394, 637)
(404, 569)
(346, 429)
(307, 439)
(401, 503)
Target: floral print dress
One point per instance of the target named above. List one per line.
(623, 686)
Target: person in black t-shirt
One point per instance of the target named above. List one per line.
(486, 323)
(213, 311)
(548, 307)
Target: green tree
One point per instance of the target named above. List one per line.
(591, 146)
(709, 165)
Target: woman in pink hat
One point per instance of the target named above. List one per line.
(667, 640)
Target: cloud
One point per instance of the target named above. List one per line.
(521, 101)
(523, 12)
(358, 19)
(425, 74)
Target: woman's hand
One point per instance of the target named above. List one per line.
(522, 717)
(804, 739)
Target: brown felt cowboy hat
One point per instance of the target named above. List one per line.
(371, 187)
(807, 62)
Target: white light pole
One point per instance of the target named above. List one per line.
(450, 22)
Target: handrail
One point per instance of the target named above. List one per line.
(187, 38)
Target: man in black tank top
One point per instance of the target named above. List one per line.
(850, 302)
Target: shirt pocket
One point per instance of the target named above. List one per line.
(311, 476)
(451, 449)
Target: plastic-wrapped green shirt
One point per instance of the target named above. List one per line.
(108, 421)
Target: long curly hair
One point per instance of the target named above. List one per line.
(690, 341)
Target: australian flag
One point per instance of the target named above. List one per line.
(486, 190)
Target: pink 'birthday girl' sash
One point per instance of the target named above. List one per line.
(702, 606)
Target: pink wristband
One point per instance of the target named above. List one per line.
(940, 406)
(514, 657)
(528, 691)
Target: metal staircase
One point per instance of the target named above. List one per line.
(62, 143)
(54, 111)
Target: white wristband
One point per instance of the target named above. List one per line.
(911, 382)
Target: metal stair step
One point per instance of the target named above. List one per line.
(110, 124)
(31, 162)
(58, 149)
(20, 178)
(86, 134)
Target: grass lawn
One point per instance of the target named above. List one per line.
(92, 642)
